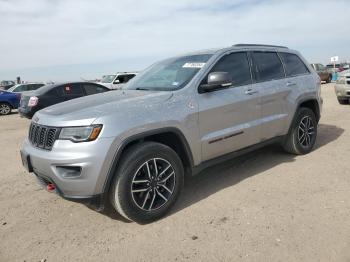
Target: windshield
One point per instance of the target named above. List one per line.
(108, 78)
(170, 74)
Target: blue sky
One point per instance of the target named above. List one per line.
(61, 40)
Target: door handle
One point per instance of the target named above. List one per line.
(291, 84)
(251, 92)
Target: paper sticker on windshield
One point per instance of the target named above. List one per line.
(193, 65)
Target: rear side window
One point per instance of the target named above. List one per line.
(21, 88)
(93, 89)
(71, 89)
(294, 66)
(122, 79)
(237, 65)
(268, 66)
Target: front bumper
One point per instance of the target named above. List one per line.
(342, 90)
(78, 170)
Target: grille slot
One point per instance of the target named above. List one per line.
(42, 136)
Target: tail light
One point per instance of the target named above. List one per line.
(18, 95)
(33, 101)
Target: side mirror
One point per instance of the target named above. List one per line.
(216, 80)
(116, 81)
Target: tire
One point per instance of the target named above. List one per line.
(5, 109)
(343, 101)
(295, 142)
(135, 194)
(329, 79)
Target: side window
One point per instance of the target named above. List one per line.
(237, 65)
(129, 77)
(33, 87)
(294, 65)
(93, 89)
(122, 79)
(71, 90)
(268, 66)
(21, 88)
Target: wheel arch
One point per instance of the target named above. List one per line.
(169, 136)
(311, 104)
(7, 103)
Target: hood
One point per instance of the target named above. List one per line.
(84, 110)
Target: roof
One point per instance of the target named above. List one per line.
(237, 46)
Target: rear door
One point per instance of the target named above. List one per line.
(269, 79)
(228, 117)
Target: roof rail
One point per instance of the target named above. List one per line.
(277, 46)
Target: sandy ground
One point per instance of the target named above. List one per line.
(264, 206)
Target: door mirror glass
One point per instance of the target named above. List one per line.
(216, 80)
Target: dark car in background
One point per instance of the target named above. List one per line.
(48, 95)
(4, 85)
(323, 72)
(8, 101)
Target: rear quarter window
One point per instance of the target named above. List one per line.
(294, 65)
(93, 89)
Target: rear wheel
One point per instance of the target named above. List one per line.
(5, 109)
(303, 132)
(147, 183)
(343, 101)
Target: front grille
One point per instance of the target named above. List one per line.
(43, 136)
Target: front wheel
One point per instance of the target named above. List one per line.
(147, 183)
(5, 109)
(343, 101)
(302, 135)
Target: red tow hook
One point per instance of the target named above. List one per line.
(50, 187)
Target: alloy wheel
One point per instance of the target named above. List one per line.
(306, 131)
(4, 109)
(153, 184)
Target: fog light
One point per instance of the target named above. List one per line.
(69, 171)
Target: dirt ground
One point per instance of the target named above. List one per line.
(264, 206)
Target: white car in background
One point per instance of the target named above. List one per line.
(116, 81)
(342, 87)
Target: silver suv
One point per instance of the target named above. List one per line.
(136, 145)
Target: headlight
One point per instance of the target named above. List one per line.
(81, 133)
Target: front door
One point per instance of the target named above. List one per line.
(229, 118)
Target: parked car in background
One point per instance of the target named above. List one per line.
(8, 101)
(342, 87)
(323, 72)
(134, 147)
(20, 88)
(4, 85)
(336, 68)
(48, 95)
(116, 81)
